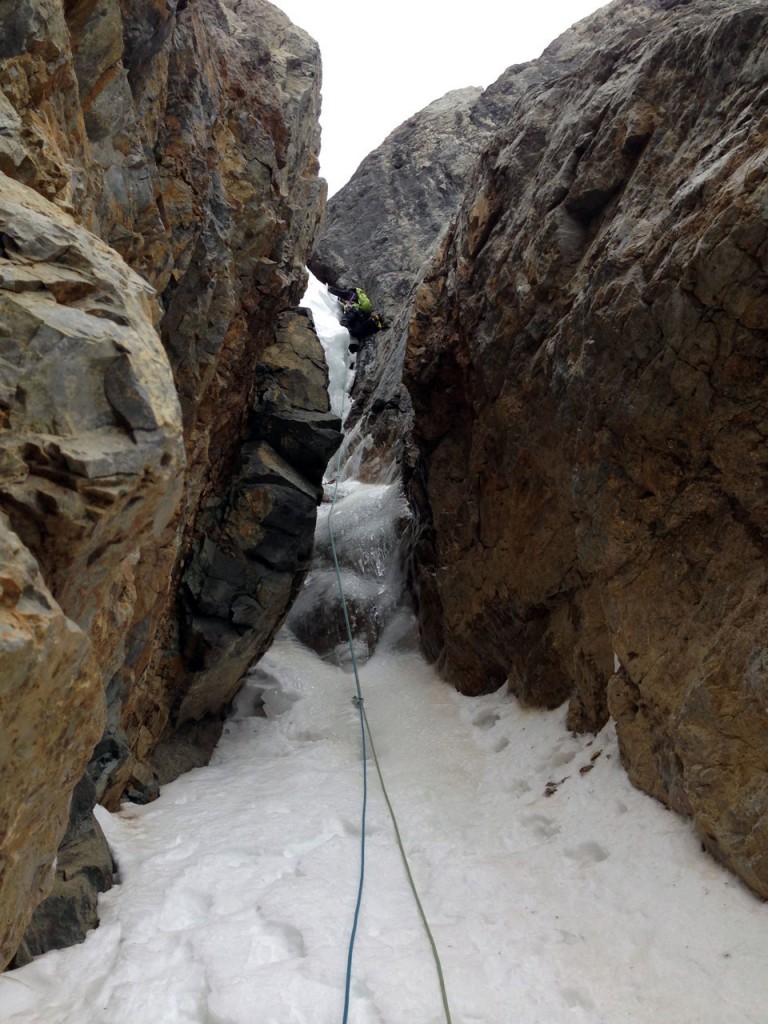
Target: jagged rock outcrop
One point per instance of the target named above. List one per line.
(45, 662)
(381, 229)
(586, 360)
(256, 547)
(256, 544)
(232, 97)
(84, 869)
(91, 454)
(184, 136)
(383, 224)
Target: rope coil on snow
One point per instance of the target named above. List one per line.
(365, 728)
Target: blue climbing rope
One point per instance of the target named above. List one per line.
(359, 704)
(366, 729)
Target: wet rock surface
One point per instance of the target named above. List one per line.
(587, 365)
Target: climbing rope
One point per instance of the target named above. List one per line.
(361, 712)
(406, 865)
(366, 729)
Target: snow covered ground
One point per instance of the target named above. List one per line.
(557, 893)
(593, 904)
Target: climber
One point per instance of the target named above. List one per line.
(352, 297)
(357, 314)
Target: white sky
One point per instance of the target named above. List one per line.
(383, 62)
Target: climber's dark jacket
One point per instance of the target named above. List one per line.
(343, 294)
(361, 325)
(358, 316)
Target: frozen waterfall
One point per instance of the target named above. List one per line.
(368, 522)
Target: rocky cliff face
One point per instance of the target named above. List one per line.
(586, 359)
(584, 351)
(380, 231)
(383, 224)
(92, 455)
(158, 200)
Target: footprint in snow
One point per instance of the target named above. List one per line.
(563, 758)
(575, 999)
(588, 853)
(486, 720)
(352, 828)
(540, 825)
(558, 759)
(519, 788)
(272, 941)
(290, 941)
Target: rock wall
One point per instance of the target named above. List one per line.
(257, 544)
(587, 365)
(236, 161)
(382, 226)
(380, 231)
(158, 200)
(91, 452)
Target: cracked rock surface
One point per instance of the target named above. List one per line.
(587, 364)
(158, 200)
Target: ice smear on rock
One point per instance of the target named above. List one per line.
(335, 341)
(368, 525)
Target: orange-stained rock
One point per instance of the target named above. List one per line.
(92, 455)
(51, 714)
(229, 95)
(587, 363)
(184, 137)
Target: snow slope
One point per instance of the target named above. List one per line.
(592, 904)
